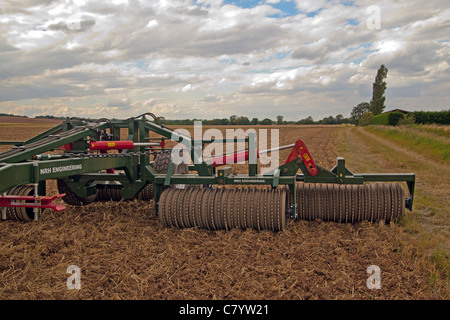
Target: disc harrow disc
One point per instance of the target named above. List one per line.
(223, 209)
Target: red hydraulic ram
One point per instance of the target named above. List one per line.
(104, 146)
(121, 145)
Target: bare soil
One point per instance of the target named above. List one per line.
(124, 253)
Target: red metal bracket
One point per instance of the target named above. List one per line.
(300, 150)
(231, 158)
(67, 147)
(44, 202)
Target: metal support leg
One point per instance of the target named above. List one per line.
(293, 208)
(36, 202)
(4, 210)
(36, 191)
(252, 154)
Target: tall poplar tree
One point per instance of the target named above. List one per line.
(379, 87)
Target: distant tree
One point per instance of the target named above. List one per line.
(280, 119)
(233, 119)
(254, 121)
(266, 121)
(331, 120)
(359, 110)
(339, 118)
(15, 115)
(186, 122)
(379, 87)
(308, 120)
(243, 121)
(364, 120)
(328, 120)
(161, 119)
(215, 121)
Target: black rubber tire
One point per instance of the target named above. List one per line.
(162, 161)
(161, 165)
(21, 213)
(147, 193)
(71, 198)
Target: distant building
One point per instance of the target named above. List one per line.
(398, 110)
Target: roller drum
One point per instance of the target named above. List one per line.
(223, 209)
(349, 203)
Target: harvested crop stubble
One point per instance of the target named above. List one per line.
(124, 252)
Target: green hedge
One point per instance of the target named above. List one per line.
(387, 119)
(432, 117)
(380, 119)
(395, 117)
(421, 117)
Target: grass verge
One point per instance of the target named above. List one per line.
(430, 141)
(427, 227)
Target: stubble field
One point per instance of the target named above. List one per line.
(123, 252)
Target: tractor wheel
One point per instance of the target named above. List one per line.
(147, 193)
(105, 195)
(162, 161)
(71, 198)
(21, 213)
(161, 165)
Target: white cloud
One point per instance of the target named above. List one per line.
(188, 87)
(152, 24)
(184, 58)
(310, 5)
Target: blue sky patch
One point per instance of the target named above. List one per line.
(142, 63)
(231, 61)
(288, 8)
(244, 3)
(352, 22)
(347, 3)
(366, 47)
(312, 13)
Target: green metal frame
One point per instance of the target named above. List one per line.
(83, 174)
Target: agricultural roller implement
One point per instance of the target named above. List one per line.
(91, 163)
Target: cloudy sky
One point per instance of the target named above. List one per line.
(215, 58)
